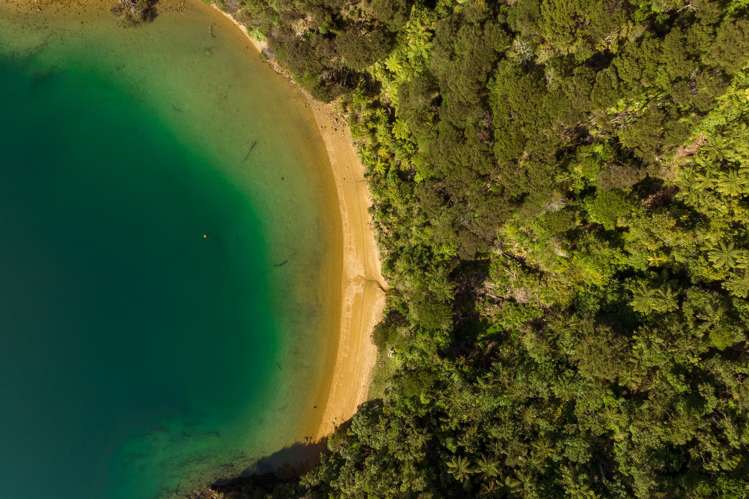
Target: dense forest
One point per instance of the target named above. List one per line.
(562, 197)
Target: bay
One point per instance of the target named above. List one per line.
(163, 254)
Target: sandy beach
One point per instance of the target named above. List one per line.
(362, 298)
(363, 287)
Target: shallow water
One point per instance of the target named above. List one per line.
(165, 259)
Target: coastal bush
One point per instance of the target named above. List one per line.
(562, 197)
(136, 11)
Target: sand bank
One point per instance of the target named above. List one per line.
(363, 287)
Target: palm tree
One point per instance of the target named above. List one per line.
(725, 256)
(702, 182)
(489, 488)
(647, 299)
(732, 183)
(487, 467)
(460, 468)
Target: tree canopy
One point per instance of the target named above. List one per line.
(562, 197)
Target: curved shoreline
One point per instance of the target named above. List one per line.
(362, 285)
(360, 302)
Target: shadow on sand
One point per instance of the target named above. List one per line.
(283, 466)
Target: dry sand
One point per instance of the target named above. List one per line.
(363, 287)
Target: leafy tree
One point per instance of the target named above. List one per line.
(561, 194)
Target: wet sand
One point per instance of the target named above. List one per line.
(201, 77)
(362, 285)
(360, 289)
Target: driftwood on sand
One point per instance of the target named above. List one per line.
(249, 151)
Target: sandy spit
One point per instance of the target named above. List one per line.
(363, 287)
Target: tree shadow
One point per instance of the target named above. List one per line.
(281, 467)
(294, 460)
(468, 278)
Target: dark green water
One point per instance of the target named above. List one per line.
(132, 345)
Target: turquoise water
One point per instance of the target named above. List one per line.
(142, 339)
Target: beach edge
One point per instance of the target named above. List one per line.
(363, 288)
